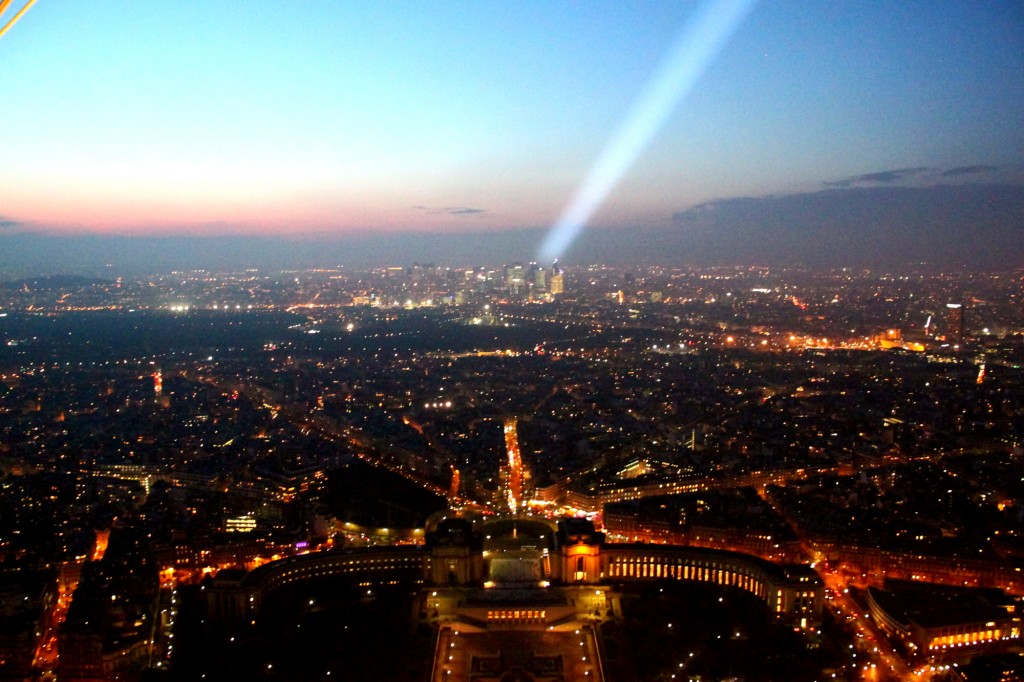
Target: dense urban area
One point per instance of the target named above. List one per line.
(170, 438)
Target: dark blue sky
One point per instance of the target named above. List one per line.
(363, 120)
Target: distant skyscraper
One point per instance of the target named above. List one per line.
(557, 282)
(515, 278)
(955, 323)
(540, 279)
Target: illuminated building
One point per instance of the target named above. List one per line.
(940, 620)
(556, 284)
(453, 490)
(102, 540)
(515, 278)
(522, 554)
(891, 338)
(240, 524)
(539, 278)
(543, 585)
(955, 323)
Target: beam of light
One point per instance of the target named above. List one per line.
(697, 45)
(14, 19)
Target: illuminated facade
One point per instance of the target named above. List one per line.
(955, 323)
(520, 553)
(939, 621)
(543, 585)
(556, 283)
(949, 570)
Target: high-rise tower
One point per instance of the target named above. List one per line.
(556, 284)
(955, 323)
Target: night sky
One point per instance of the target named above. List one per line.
(359, 123)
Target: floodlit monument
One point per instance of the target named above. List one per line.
(520, 596)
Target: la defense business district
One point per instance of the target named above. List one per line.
(531, 472)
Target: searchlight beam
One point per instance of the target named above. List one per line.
(698, 44)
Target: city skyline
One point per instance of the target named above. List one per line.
(427, 472)
(931, 229)
(343, 124)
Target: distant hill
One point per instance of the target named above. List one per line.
(56, 283)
